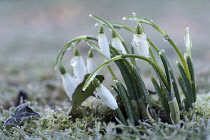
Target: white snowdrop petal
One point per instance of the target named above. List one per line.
(141, 45)
(118, 45)
(104, 45)
(91, 65)
(107, 97)
(79, 68)
(69, 84)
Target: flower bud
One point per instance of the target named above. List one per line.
(91, 64)
(69, 82)
(78, 64)
(140, 43)
(105, 95)
(117, 43)
(103, 43)
(188, 41)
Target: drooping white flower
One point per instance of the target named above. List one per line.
(69, 82)
(140, 43)
(105, 95)
(91, 63)
(117, 43)
(103, 43)
(78, 64)
(188, 41)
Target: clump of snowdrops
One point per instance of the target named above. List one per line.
(86, 83)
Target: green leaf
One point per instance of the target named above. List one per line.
(163, 99)
(174, 109)
(170, 77)
(79, 95)
(192, 74)
(186, 84)
(125, 100)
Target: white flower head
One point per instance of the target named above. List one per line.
(79, 68)
(105, 95)
(188, 41)
(69, 82)
(103, 43)
(91, 64)
(140, 43)
(117, 43)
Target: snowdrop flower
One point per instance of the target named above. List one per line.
(78, 64)
(91, 64)
(103, 43)
(188, 41)
(140, 43)
(117, 43)
(69, 82)
(105, 95)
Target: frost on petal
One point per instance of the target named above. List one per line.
(107, 97)
(69, 84)
(104, 45)
(79, 68)
(141, 45)
(118, 45)
(91, 65)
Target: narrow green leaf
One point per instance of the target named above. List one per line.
(192, 74)
(79, 96)
(140, 85)
(186, 83)
(163, 99)
(170, 77)
(174, 109)
(184, 90)
(125, 100)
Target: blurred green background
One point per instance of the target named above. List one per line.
(33, 31)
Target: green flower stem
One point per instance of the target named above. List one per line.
(121, 117)
(69, 45)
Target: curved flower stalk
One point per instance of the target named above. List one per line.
(78, 65)
(140, 42)
(117, 43)
(105, 95)
(69, 82)
(91, 64)
(103, 43)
